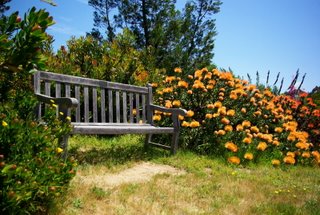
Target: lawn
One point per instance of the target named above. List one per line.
(203, 185)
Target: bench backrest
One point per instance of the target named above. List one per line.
(99, 101)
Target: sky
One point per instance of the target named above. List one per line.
(253, 35)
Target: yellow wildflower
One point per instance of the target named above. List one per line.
(178, 70)
(262, 146)
(190, 113)
(4, 124)
(194, 124)
(59, 150)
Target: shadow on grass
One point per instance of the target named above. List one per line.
(116, 151)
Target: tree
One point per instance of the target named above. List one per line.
(168, 37)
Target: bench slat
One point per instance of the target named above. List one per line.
(68, 94)
(110, 101)
(103, 106)
(86, 104)
(91, 82)
(94, 105)
(118, 106)
(137, 108)
(144, 108)
(131, 107)
(89, 129)
(77, 95)
(124, 107)
(58, 90)
(47, 88)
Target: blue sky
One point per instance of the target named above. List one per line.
(253, 35)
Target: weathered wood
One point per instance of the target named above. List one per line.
(137, 108)
(124, 107)
(117, 106)
(143, 108)
(94, 105)
(89, 129)
(91, 82)
(68, 95)
(77, 95)
(103, 105)
(58, 90)
(131, 107)
(110, 109)
(86, 104)
(47, 88)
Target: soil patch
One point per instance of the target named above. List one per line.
(139, 173)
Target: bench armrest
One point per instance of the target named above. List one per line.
(177, 111)
(65, 102)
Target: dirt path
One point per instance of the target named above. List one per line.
(137, 174)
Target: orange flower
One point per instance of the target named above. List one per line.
(220, 132)
(278, 129)
(210, 86)
(302, 145)
(234, 160)
(210, 106)
(291, 154)
(176, 103)
(289, 160)
(185, 124)
(262, 146)
(231, 146)
(183, 84)
(194, 124)
(243, 110)
(168, 104)
(275, 162)
(177, 70)
(306, 155)
(181, 117)
(248, 156)
(231, 112)
(239, 127)
(208, 116)
(217, 104)
(246, 123)
(190, 113)
(225, 121)
(169, 79)
(189, 92)
(233, 96)
(228, 128)
(247, 140)
(156, 118)
(254, 129)
(275, 142)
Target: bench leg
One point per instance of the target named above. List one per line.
(63, 142)
(175, 141)
(148, 140)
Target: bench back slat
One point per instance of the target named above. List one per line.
(103, 105)
(124, 105)
(94, 105)
(86, 104)
(77, 96)
(99, 101)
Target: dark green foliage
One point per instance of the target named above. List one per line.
(31, 171)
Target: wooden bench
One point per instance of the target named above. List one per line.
(102, 107)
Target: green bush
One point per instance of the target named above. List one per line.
(31, 171)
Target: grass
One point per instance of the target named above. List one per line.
(209, 186)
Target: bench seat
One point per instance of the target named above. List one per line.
(119, 128)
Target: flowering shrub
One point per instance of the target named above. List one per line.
(229, 117)
(31, 171)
